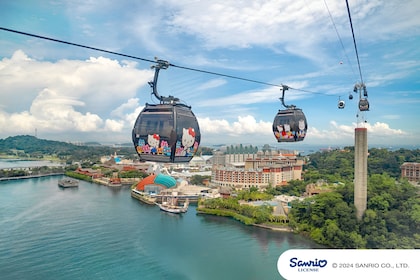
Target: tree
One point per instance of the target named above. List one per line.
(198, 179)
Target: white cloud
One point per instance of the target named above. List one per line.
(267, 95)
(68, 95)
(340, 133)
(243, 126)
(121, 110)
(99, 82)
(383, 129)
(248, 130)
(52, 112)
(240, 24)
(113, 125)
(20, 123)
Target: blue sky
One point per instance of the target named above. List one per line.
(68, 93)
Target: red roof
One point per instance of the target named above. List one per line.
(146, 181)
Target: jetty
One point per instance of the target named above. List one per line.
(68, 183)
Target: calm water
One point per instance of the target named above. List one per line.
(99, 232)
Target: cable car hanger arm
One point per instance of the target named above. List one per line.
(284, 88)
(161, 64)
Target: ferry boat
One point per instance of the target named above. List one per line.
(144, 197)
(170, 204)
(68, 183)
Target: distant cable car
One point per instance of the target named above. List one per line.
(289, 125)
(363, 104)
(341, 103)
(350, 96)
(365, 94)
(166, 132)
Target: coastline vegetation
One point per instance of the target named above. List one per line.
(78, 176)
(33, 171)
(238, 208)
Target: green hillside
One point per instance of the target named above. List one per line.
(30, 144)
(26, 146)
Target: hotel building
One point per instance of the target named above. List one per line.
(259, 170)
(411, 171)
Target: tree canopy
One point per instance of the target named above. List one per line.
(392, 218)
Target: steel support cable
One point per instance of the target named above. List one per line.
(73, 44)
(147, 60)
(339, 37)
(354, 41)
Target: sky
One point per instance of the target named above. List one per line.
(67, 93)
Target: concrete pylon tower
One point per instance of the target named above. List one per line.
(360, 171)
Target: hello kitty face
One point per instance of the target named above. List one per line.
(153, 140)
(301, 125)
(188, 137)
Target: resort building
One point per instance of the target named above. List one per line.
(411, 171)
(93, 173)
(260, 170)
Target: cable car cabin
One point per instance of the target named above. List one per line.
(341, 104)
(290, 125)
(166, 133)
(363, 104)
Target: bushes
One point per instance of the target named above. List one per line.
(227, 213)
(245, 213)
(78, 176)
(391, 220)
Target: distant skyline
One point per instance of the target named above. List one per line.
(71, 94)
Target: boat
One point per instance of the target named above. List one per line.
(147, 198)
(170, 204)
(115, 182)
(68, 183)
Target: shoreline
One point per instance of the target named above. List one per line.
(278, 228)
(275, 228)
(29, 176)
(14, 158)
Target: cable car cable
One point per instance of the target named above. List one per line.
(354, 41)
(359, 87)
(132, 56)
(339, 38)
(149, 60)
(225, 75)
(74, 44)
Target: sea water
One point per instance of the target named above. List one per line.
(100, 232)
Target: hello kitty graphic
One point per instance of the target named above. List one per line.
(287, 132)
(188, 139)
(153, 141)
(277, 133)
(302, 129)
